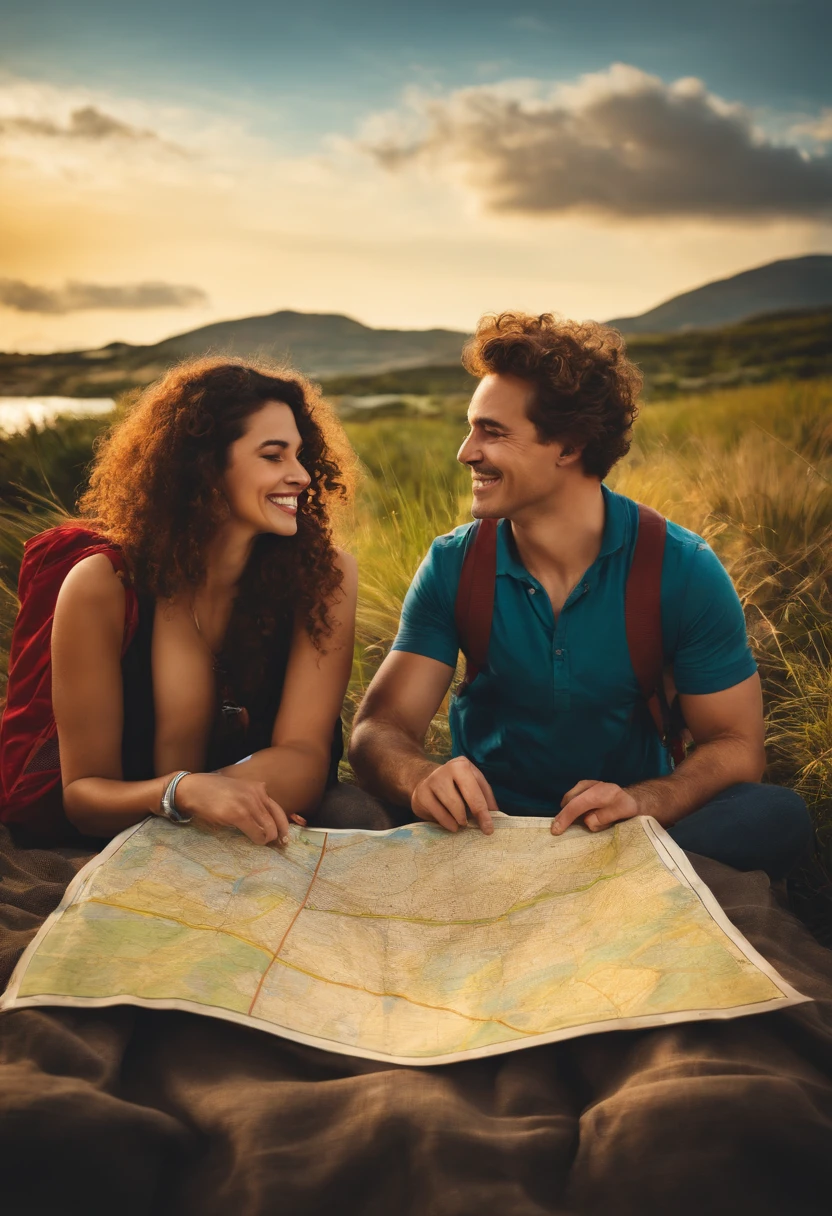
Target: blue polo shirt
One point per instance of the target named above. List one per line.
(558, 701)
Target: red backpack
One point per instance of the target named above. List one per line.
(30, 768)
(642, 611)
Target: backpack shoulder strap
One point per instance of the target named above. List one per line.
(642, 601)
(474, 607)
(643, 621)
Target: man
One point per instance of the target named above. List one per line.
(554, 724)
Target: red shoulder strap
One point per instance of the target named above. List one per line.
(642, 601)
(643, 621)
(475, 597)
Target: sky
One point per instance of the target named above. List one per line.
(163, 166)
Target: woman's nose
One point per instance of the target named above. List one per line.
(299, 476)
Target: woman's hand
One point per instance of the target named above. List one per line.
(231, 803)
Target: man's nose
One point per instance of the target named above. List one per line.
(469, 453)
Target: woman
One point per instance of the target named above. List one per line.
(184, 649)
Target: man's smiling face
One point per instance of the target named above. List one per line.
(512, 471)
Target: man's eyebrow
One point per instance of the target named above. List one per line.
(492, 422)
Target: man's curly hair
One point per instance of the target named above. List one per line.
(155, 490)
(585, 387)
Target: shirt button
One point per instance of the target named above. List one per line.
(532, 590)
(558, 652)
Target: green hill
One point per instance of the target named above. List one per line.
(783, 345)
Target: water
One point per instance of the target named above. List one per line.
(17, 412)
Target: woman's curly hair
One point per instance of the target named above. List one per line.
(155, 490)
(585, 387)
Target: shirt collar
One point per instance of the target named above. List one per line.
(615, 533)
(616, 521)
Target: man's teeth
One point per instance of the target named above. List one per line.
(485, 481)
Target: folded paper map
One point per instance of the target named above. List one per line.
(413, 946)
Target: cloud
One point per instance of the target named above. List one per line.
(87, 125)
(620, 143)
(81, 297)
(87, 122)
(819, 128)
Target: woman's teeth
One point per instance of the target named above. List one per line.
(288, 502)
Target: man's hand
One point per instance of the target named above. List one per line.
(602, 804)
(450, 791)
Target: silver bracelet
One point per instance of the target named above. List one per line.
(168, 804)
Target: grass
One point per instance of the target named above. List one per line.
(749, 468)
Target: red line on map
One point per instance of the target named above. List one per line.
(291, 926)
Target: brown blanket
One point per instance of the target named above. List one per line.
(128, 1111)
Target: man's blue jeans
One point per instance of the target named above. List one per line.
(749, 827)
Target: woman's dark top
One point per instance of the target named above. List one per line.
(237, 730)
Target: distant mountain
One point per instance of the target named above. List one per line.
(320, 344)
(794, 283)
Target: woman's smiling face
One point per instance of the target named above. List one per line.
(264, 475)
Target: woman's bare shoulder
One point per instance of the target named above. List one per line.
(347, 564)
(347, 590)
(92, 586)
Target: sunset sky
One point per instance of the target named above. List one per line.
(163, 165)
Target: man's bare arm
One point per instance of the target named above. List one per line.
(387, 743)
(728, 730)
(729, 733)
(387, 746)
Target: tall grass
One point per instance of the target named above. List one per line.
(413, 490)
